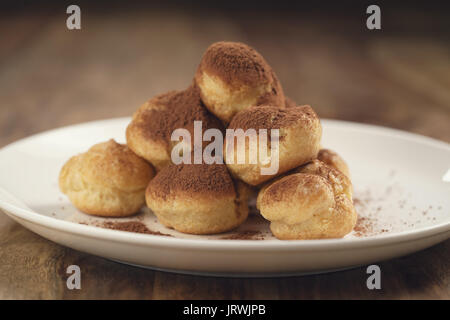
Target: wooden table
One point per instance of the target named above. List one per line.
(51, 77)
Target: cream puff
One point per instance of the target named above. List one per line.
(107, 180)
(299, 134)
(149, 133)
(198, 198)
(314, 202)
(233, 76)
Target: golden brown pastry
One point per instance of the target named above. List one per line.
(300, 132)
(334, 160)
(107, 180)
(314, 202)
(198, 198)
(233, 76)
(149, 133)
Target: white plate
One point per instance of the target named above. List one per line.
(401, 183)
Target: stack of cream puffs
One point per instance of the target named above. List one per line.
(308, 197)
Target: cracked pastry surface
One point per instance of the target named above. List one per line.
(314, 202)
(300, 132)
(107, 180)
(334, 160)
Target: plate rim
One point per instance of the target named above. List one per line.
(223, 244)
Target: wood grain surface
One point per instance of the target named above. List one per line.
(51, 77)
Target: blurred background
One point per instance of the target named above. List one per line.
(127, 52)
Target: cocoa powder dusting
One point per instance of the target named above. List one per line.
(236, 64)
(365, 226)
(284, 188)
(192, 179)
(174, 109)
(271, 117)
(131, 226)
